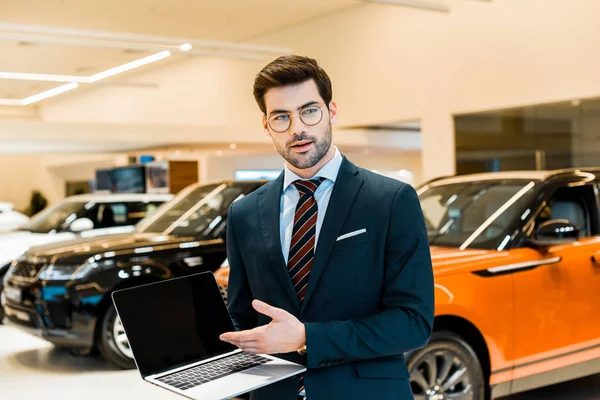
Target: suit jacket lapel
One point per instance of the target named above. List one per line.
(342, 198)
(269, 203)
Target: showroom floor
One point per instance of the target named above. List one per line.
(30, 368)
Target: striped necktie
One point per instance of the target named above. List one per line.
(302, 246)
(304, 234)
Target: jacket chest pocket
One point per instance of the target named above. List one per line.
(355, 240)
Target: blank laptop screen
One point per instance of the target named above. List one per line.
(174, 322)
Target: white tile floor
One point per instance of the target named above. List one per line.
(31, 368)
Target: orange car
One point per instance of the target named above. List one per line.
(516, 258)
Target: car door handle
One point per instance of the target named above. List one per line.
(596, 260)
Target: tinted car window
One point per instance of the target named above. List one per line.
(472, 214)
(139, 210)
(200, 212)
(107, 215)
(55, 218)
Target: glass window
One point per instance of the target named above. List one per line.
(139, 210)
(473, 214)
(199, 212)
(107, 215)
(569, 204)
(55, 218)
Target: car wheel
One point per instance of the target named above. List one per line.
(447, 368)
(112, 342)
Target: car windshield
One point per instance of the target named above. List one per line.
(54, 218)
(199, 211)
(473, 214)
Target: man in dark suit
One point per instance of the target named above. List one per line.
(330, 264)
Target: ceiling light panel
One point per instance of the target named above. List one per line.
(42, 77)
(50, 93)
(129, 66)
(19, 89)
(11, 102)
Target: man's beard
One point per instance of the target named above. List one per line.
(310, 159)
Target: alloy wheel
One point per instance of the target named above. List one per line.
(120, 338)
(441, 374)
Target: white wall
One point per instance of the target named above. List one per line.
(225, 167)
(391, 162)
(21, 174)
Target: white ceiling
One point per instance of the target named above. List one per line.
(77, 41)
(224, 20)
(61, 59)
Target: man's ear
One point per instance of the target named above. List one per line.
(265, 125)
(333, 112)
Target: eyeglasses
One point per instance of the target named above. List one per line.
(309, 115)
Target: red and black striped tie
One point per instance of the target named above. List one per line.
(304, 235)
(302, 246)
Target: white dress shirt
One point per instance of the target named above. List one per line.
(290, 197)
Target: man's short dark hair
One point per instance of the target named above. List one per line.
(291, 70)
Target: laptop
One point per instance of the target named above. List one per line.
(173, 329)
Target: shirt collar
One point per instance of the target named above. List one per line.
(328, 171)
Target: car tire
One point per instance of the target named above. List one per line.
(107, 341)
(2, 313)
(447, 365)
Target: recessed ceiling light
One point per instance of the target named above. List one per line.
(185, 47)
(133, 51)
(83, 70)
(233, 146)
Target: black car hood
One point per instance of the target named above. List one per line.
(136, 243)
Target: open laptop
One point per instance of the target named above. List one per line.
(173, 328)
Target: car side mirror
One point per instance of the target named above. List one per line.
(554, 232)
(81, 224)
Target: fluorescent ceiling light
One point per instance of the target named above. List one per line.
(42, 77)
(50, 93)
(73, 80)
(11, 102)
(424, 5)
(129, 66)
(185, 47)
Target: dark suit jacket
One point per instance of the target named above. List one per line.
(369, 298)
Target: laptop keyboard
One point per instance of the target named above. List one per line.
(210, 371)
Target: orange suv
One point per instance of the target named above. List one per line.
(516, 257)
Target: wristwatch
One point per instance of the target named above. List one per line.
(302, 350)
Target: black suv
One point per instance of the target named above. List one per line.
(61, 292)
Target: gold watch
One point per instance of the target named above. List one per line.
(302, 350)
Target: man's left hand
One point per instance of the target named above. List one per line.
(284, 334)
